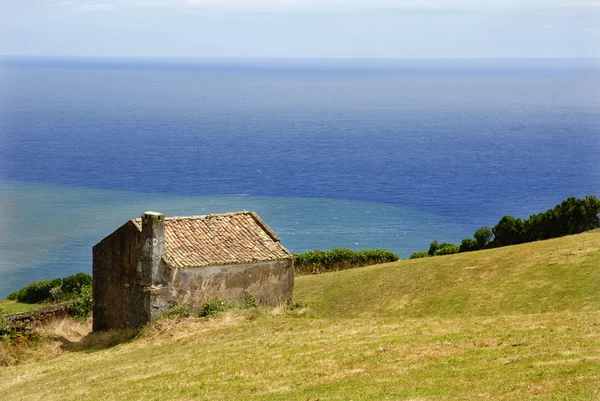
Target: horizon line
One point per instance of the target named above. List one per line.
(282, 58)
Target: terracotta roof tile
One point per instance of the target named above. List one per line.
(219, 239)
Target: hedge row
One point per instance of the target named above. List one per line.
(52, 290)
(314, 262)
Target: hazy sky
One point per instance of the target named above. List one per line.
(302, 28)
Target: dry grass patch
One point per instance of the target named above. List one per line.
(45, 341)
(541, 356)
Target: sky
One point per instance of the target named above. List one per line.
(301, 28)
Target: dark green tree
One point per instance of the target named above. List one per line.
(508, 231)
(468, 245)
(432, 248)
(483, 236)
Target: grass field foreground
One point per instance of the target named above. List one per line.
(511, 323)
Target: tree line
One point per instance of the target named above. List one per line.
(571, 216)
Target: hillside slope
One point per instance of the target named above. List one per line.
(512, 323)
(556, 275)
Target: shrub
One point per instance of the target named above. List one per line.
(213, 307)
(446, 249)
(57, 289)
(216, 306)
(419, 255)
(177, 311)
(82, 305)
(35, 292)
(317, 261)
(437, 249)
(73, 285)
(56, 294)
(468, 245)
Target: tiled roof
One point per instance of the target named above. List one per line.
(219, 239)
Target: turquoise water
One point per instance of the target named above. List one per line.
(49, 230)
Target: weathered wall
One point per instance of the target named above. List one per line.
(116, 295)
(272, 283)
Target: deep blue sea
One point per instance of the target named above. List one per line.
(354, 153)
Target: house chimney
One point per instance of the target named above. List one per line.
(153, 247)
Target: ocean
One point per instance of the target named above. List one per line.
(360, 154)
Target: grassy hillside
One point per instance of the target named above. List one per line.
(555, 275)
(512, 323)
(9, 307)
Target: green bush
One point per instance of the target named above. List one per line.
(35, 292)
(56, 289)
(446, 249)
(468, 245)
(317, 261)
(82, 305)
(213, 308)
(419, 255)
(437, 249)
(73, 285)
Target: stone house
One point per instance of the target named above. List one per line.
(155, 262)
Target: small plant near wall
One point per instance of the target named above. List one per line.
(82, 305)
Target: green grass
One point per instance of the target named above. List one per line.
(9, 307)
(512, 323)
(555, 275)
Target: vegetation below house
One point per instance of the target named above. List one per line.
(315, 262)
(571, 216)
(52, 290)
(76, 289)
(518, 322)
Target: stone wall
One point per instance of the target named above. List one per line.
(117, 300)
(28, 319)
